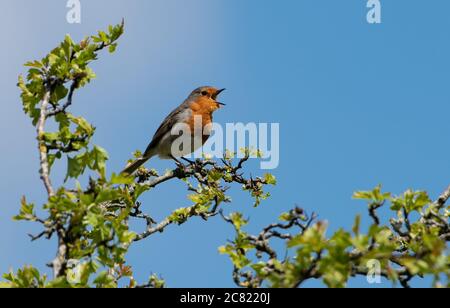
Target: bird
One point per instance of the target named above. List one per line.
(200, 104)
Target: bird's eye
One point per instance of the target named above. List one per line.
(205, 93)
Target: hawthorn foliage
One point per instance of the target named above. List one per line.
(413, 243)
(91, 224)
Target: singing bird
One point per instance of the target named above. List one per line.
(201, 104)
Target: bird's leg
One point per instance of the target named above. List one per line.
(178, 163)
(188, 160)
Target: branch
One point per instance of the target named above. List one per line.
(199, 170)
(168, 221)
(43, 151)
(161, 179)
(440, 202)
(159, 228)
(58, 263)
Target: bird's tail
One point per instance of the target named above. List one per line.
(132, 167)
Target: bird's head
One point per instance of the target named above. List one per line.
(208, 95)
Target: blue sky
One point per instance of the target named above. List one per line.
(358, 105)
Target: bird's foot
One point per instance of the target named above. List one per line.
(191, 162)
(179, 164)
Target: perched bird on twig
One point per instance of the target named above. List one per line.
(200, 105)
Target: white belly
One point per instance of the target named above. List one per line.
(179, 146)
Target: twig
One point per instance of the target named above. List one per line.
(67, 104)
(159, 228)
(168, 221)
(373, 213)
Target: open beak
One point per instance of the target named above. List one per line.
(217, 94)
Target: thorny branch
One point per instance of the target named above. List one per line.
(199, 170)
(298, 218)
(401, 228)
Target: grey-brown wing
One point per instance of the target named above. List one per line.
(172, 119)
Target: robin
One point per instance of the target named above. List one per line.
(200, 104)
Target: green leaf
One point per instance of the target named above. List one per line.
(156, 282)
(411, 201)
(104, 280)
(238, 220)
(103, 36)
(112, 48)
(26, 211)
(31, 95)
(51, 137)
(59, 93)
(120, 179)
(76, 165)
(375, 195)
(83, 125)
(99, 156)
(270, 179)
(35, 64)
(139, 190)
(357, 225)
(127, 237)
(107, 195)
(68, 40)
(27, 277)
(196, 198)
(285, 217)
(313, 239)
(63, 120)
(53, 58)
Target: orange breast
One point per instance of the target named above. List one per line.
(201, 109)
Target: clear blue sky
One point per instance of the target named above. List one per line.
(358, 105)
